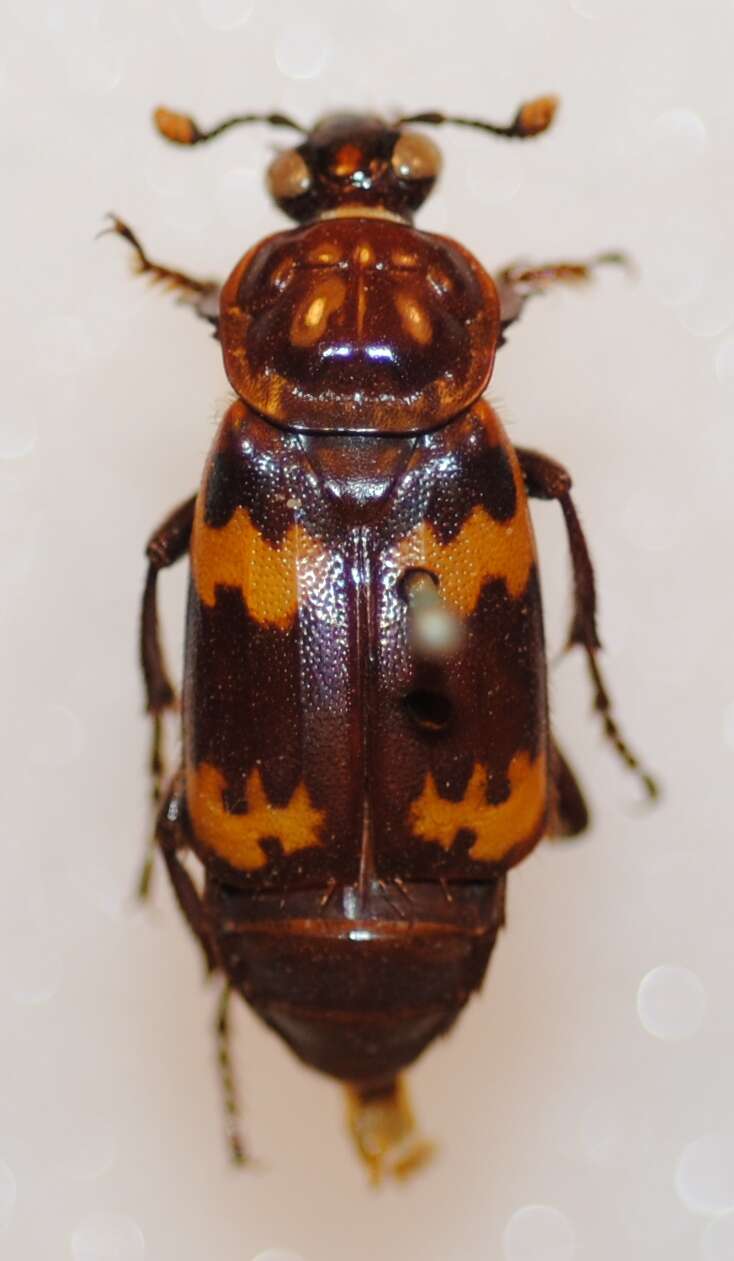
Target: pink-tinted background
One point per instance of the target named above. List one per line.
(584, 1106)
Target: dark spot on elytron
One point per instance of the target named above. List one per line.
(404, 579)
(429, 710)
(222, 493)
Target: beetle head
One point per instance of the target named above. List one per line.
(355, 161)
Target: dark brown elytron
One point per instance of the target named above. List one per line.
(366, 742)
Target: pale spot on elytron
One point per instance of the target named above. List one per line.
(538, 1232)
(704, 1177)
(671, 1003)
(104, 1236)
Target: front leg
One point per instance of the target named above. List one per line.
(545, 479)
(201, 295)
(167, 545)
(516, 283)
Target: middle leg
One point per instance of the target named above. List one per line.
(516, 283)
(545, 479)
(569, 813)
(201, 295)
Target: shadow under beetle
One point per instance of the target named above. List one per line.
(366, 743)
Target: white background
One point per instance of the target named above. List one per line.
(567, 1129)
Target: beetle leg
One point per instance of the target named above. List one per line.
(227, 1077)
(382, 1125)
(516, 283)
(569, 815)
(201, 295)
(171, 838)
(167, 545)
(545, 479)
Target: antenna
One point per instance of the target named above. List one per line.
(532, 118)
(181, 129)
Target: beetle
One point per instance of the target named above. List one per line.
(366, 742)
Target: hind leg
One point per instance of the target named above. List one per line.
(228, 1080)
(383, 1128)
(172, 841)
(569, 811)
(171, 838)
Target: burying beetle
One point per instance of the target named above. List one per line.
(366, 743)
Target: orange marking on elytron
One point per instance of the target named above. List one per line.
(237, 837)
(484, 549)
(270, 576)
(414, 319)
(312, 314)
(497, 828)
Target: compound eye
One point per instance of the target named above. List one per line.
(288, 176)
(415, 157)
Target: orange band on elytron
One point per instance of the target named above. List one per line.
(271, 577)
(482, 550)
(237, 837)
(497, 828)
